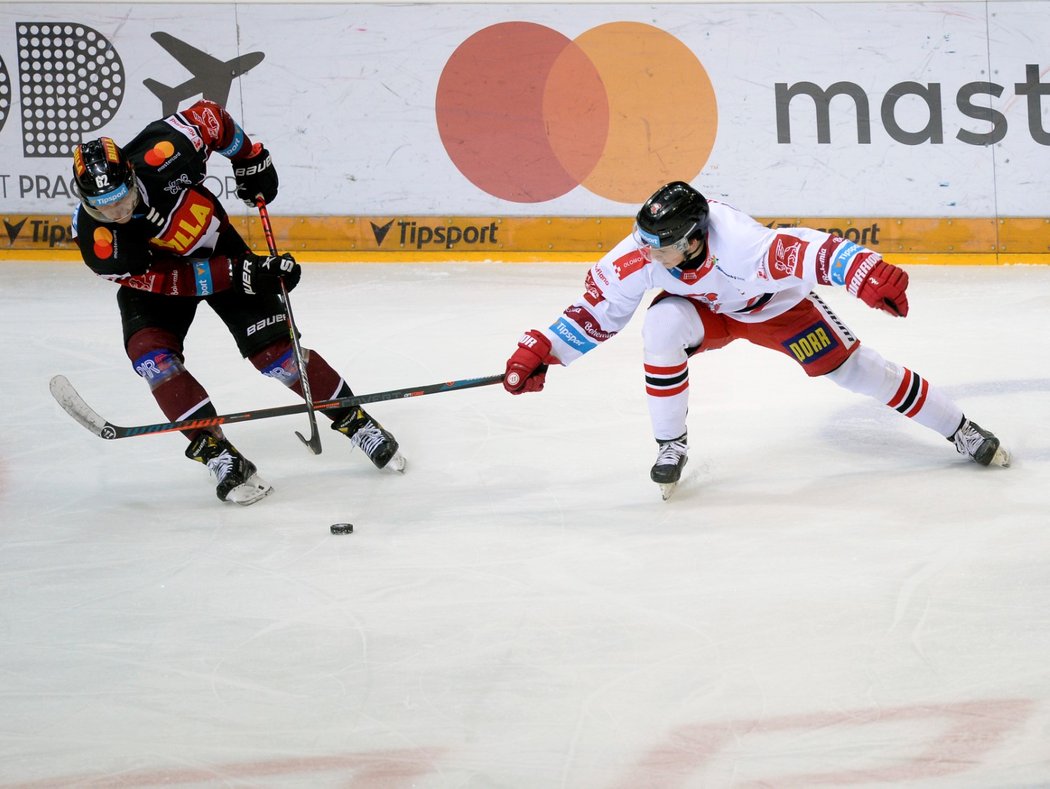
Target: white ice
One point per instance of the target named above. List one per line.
(833, 597)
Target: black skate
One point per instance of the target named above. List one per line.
(238, 481)
(375, 441)
(670, 460)
(979, 445)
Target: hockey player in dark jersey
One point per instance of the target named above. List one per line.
(148, 224)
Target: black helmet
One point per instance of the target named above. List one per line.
(102, 173)
(673, 216)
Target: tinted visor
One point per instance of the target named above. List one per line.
(122, 192)
(681, 244)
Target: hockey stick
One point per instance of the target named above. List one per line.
(314, 442)
(74, 405)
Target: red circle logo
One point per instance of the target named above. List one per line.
(103, 245)
(527, 114)
(159, 153)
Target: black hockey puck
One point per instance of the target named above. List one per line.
(342, 528)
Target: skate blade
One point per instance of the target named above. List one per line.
(667, 489)
(250, 491)
(1001, 458)
(397, 463)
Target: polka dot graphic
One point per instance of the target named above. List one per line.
(72, 83)
(527, 115)
(5, 93)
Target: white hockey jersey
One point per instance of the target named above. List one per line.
(752, 273)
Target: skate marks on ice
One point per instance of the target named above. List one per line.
(392, 769)
(891, 745)
(868, 746)
(521, 609)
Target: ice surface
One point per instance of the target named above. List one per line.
(833, 597)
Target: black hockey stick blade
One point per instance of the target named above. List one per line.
(313, 443)
(74, 405)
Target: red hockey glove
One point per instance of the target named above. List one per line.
(255, 175)
(527, 366)
(263, 274)
(879, 284)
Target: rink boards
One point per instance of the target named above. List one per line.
(978, 240)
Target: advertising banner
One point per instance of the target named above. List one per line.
(423, 116)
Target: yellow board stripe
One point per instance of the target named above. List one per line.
(429, 238)
(518, 258)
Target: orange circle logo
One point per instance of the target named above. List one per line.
(159, 153)
(103, 239)
(527, 114)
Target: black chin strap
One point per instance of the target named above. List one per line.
(696, 260)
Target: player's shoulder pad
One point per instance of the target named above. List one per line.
(786, 257)
(166, 161)
(102, 246)
(625, 259)
(164, 147)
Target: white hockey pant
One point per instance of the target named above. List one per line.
(672, 326)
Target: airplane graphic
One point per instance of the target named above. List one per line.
(212, 78)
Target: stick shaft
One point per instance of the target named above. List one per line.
(77, 408)
(314, 442)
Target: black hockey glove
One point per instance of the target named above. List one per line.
(263, 274)
(255, 176)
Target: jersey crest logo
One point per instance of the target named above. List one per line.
(204, 117)
(711, 299)
(785, 256)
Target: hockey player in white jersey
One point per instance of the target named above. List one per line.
(723, 276)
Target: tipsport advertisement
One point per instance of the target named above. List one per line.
(419, 116)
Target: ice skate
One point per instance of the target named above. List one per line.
(236, 475)
(979, 445)
(670, 460)
(376, 442)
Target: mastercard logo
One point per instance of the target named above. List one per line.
(159, 153)
(103, 239)
(527, 114)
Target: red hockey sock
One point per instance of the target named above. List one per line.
(156, 355)
(278, 361)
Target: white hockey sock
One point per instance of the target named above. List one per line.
(907, 392)
(667, 394)
(671, 326)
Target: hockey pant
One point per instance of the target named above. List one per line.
(676, 328)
